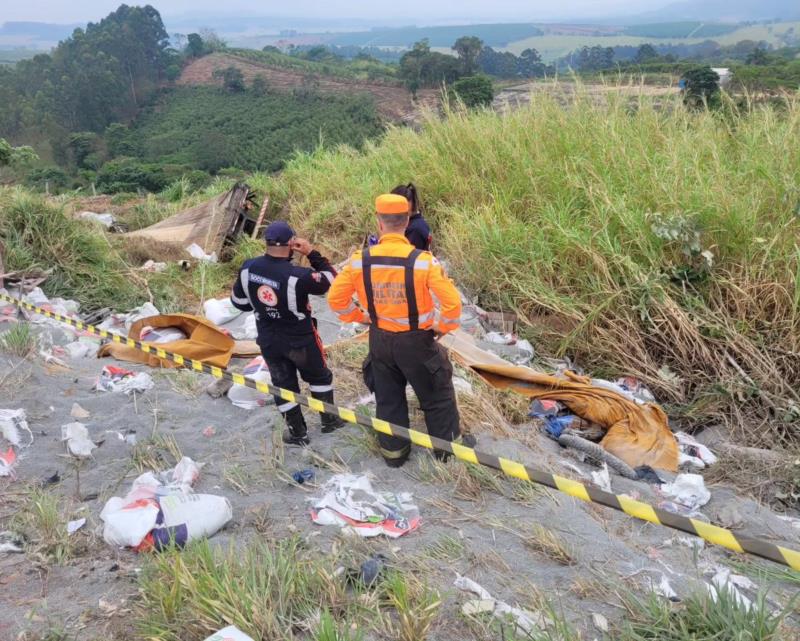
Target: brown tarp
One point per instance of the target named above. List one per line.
(205, 342)
(638, 434)
(207, 224)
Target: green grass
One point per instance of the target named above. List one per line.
(494, 35)
(39, 235)
(18, 341)
(680, 30)
(702, 618)
(274, 590)
(43, 521)
(589, 220)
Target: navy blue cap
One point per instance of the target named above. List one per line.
(278, 233)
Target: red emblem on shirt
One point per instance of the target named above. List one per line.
(317, 277)
(267, 295)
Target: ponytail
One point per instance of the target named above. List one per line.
(409, 192)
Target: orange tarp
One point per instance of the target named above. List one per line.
(638, 434)
(205, 342)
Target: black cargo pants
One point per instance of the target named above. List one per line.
(414, 357)
(286, 356)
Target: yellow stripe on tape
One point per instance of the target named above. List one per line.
(145, 348)
(512, 468)
(238, 379)
(288, 395)
(421, 439)
(178, 359)
(216, 372)
(197, 366)
(347, 415)
(792, 557)
(465, 453)
(90, 329)
(78, 324)
(573, 488)
(103, 333)
(116, 338)
(315, 404)
(638, 509)
(130, 342)
(263, 388)
(160, 353)
(716, 535)
(382, 426)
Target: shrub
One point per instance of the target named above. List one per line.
(474, 91)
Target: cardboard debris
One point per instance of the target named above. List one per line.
(210, 225)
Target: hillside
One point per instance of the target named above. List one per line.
(393, 101)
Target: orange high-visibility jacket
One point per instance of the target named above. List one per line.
(389, 269)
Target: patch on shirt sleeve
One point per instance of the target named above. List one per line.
(267, 296)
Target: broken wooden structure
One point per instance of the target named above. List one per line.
(213, 225)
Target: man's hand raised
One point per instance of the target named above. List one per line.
(301, 246)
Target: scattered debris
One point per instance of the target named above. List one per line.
(12, 422)
(724, 580)
(7, 461)
(210, 225)
(11, 542)
(74, 526)
(301, 476)
(220, 310)
(153, 267)
(77, 437)
(81, 349)
(231, 633)
(599, 622)
(78, 412)
(349, 500)
(117, 379)
(162, 509)
(195, 251)
(688, 490)
(106, 220)
(209, 431)
(219, 387)
(693, 454)
(636, 388)
(663, 588)
(602, 479)
(525, 621)
(121, 323)
(246, 397)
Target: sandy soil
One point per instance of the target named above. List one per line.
(91, 596)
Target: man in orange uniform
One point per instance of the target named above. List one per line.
(395, 284)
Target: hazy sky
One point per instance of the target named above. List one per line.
(413, 11)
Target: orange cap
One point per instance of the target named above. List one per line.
(391, 204)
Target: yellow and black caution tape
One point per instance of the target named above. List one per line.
(637, 509)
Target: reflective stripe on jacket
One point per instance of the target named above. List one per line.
(389, 270)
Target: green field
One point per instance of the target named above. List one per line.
(210, 128)
(680, 30)
(494, 35)
(552, 46)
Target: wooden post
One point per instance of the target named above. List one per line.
(260, 217)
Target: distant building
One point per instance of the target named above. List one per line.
(725, 75)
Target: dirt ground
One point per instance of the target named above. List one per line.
(92, 594)
(394, 102)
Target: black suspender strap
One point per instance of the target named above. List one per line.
(366, 265)
(411, 291)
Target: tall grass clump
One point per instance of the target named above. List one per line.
(37, 235)
(638, 237)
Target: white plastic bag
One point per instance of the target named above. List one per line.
(197, 252)
(231, 633)
(246, 397)
(77, 437)
(12, 423)
(161, 334)
(687, 489)
(220, 310)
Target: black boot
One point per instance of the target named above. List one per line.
(297, 434)
(330, 422)
(467, 440)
